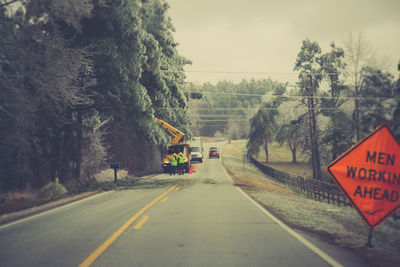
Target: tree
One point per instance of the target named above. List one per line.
(292, 133)
(357, 56)
(374, 104)
(163, 75)
(67, 63)
(396, 114)
(262, 126)
(338, 134)
(139, 76)
(44, 69)
(307, 63)
(227, 106)
(16, 116)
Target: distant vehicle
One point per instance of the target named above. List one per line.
(197, 153)
(213, 153)
(196, 149)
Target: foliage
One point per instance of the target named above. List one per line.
(66, 64)
(293, 134)
(262, 128)
(396, 113)
(95, 153)
(309, 64)
(338, 136)
(357, 56)
(227, 106)
(376, 87)
(52, 191)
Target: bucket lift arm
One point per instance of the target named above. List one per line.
(178, 135)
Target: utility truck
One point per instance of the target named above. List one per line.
(177, 145)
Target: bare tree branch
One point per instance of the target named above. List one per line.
(8, 3)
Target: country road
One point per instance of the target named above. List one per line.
(207, 222)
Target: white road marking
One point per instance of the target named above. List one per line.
(308, 244)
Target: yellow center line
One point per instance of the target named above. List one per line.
(89, 261)
(141, 222)
(177, 188)
(164, 199)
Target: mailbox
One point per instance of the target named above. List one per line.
(114, 165)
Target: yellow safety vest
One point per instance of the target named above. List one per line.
(173, 161)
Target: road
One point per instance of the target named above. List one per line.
(207, 222)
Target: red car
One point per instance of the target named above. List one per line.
(213, 153)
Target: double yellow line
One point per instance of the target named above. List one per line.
(92, 258)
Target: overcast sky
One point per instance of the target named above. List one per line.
(265, 36)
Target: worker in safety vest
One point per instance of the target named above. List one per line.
(181, 163)
(174, 163)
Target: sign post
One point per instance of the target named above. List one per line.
(114, 165)
(368, 174)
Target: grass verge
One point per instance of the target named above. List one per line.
(341, 225)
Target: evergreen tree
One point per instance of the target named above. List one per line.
(310, 76)
(376, 87)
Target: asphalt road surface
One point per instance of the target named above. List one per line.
(207, 222)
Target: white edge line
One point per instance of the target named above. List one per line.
(305, 242)
(53, 210)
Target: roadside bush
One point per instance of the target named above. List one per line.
(73, 187)
(52, 190)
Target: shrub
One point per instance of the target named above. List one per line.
(52, 190)
(73, 186)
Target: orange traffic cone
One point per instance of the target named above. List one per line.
(191, 169)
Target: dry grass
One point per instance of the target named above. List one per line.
(107, 175)
(342, 225)
(280, 158)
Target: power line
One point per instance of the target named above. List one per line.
(221, 120)
(300, 96)
(250, 109)
(210, 125)
(256, 72)
(222, 115)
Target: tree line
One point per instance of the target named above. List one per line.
(81, 83)
(340, 97)
(226, 107)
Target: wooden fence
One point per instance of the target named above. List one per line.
(312, 188)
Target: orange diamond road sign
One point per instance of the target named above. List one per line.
(369, 175)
